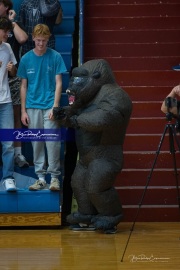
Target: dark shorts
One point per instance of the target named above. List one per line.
(14, 84)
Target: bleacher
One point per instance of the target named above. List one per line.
(40, 208)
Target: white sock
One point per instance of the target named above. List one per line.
(17, 151)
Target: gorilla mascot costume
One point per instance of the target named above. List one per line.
(99, 111)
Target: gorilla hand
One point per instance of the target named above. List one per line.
(59, 113)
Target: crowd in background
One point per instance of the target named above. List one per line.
(30, 36)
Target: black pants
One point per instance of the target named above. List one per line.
(69, 166)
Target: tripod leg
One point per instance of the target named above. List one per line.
(172, 135)
(146, 186)
(152, 169)
(175, 136)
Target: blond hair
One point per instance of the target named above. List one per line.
(41, 30)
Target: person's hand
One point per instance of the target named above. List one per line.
(51, 116)
(10, 66)
(25, 118)
(12, 15)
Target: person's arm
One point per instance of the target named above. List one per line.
(174, 92)
(19, 33)
(58, 92)
(59, 17)
(23, 90)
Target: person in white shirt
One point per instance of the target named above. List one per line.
(7, 65)
(15, 38)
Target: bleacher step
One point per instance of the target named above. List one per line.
(24, 201)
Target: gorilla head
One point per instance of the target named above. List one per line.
(88, 79)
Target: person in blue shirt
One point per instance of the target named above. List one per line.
(40, 70)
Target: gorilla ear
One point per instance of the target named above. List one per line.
(96, 75)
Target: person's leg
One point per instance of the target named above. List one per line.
(14, 84)
(53, 152)
(7, 122)
(19, 159)
(36, 122)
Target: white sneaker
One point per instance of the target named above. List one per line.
(21, 161)
(38, 185)
(54, 185)
(10, 184)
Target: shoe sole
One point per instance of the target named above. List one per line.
(113, 231)
(54, 189)
(83, 230)
(35, 189)
(11, 189)
(110, 232)
(87, 229)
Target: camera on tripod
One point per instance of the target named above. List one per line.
(173, 111)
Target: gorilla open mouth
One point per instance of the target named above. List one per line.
(71, 96)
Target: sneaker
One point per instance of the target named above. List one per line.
(21, 161)
(82, 227)
(54, 185)
(177, 68)
(38, 185)
(10, 184)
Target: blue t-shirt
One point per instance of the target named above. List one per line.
(40, 72)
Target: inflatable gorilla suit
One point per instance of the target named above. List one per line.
(100, 115)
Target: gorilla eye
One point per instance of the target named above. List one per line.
(79, 80)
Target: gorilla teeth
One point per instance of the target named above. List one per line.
(71, 99)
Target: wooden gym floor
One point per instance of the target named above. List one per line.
(151, 246)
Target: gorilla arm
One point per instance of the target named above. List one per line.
(111, 107)
(114, 109)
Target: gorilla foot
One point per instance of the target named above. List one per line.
(106, 223)
(111, 231)
(76, 218)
